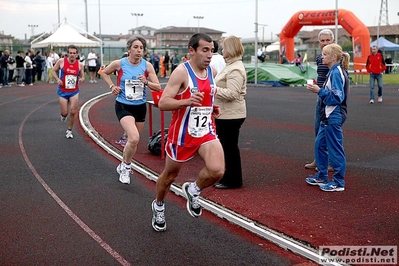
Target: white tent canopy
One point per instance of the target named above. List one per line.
(275, 47)
(66, 35)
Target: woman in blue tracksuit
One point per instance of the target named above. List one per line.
(333, 110)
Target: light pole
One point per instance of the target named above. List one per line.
(137, 15)
(32, 29)
(263, 33)
(198, 18)
(256, 42)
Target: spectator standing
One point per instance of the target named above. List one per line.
(82, 59)
(91, 62)
(4, 70)
(175, 61)
(333, 113)
(217, 61)
(388, 63)
(186, 57)
(20, 68)
(11, 66)
(375, 65)
(50, 65)
(190, 94)
(166, 62)
(32, 58)
(39, 60)
(1, 73)
(45, 69)
(155, 62)
(147, 57)
(98, 65)
(326, 36)
(28, 69)
(231, 83)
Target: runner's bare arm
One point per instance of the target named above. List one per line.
(111, 68)
(177, 83)
(55, 69)
(81, 73)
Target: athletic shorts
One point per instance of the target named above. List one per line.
(92, 69)
(137, 111)
(181, 153)
(66, 95)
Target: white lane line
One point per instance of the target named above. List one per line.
(77, 220)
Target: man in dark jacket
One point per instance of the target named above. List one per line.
(3, 65)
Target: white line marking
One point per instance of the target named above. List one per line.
(77, 220)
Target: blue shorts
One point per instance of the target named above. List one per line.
(66, 95)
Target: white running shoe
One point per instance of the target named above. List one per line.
(193, 205)
(371, 101)
(124, 173)
(380, 99)
(63, 118)
(158, 218)
(69, 134)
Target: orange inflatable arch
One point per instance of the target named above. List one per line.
(359, 32)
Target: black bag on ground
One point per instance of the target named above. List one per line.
(154, 142)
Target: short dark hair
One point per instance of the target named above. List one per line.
(215, 46)
(72, 46)
(194, 40)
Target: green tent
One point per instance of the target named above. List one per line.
(280, 75)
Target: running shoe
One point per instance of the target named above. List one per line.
(63, 118)
(158, 218)
(332, 186)
(68, 134)
(122, 141)
(193, 205)
(315, 180)
(124, 173)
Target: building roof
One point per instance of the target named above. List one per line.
(190, 30)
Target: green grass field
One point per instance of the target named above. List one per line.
(392, 79)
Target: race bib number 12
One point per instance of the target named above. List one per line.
(200, 118)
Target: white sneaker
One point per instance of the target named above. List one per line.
(124, 173)
(69, 134)
(91, 81)
(371, 101)
(94, 80)
(63, 118)
(380, 99)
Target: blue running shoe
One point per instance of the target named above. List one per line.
(331, 186)
(315, 180)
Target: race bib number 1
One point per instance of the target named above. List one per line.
(70, 82)
(198, 124)
(133, 89)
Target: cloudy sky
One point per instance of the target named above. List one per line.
(234, 17)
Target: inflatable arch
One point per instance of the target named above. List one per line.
(359, 32)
